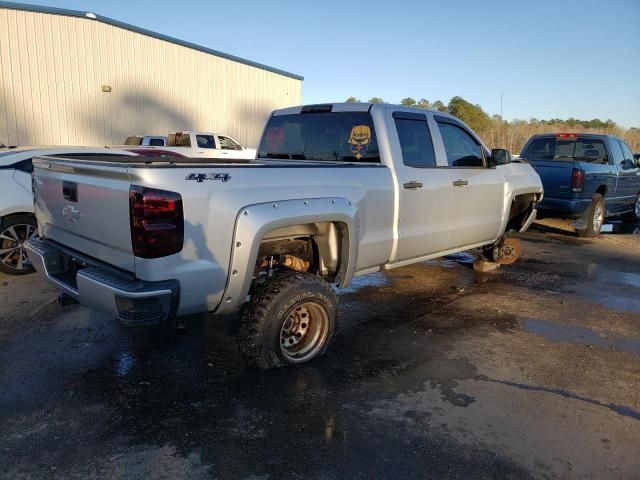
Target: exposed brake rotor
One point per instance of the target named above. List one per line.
(508, 252)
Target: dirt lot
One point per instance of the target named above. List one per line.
(437, 371)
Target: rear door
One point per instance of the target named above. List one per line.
(84, 205)
(477, 195)
(207, 147)
(424, 188)
(628, 177)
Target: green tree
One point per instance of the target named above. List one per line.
(423, 103)
(408, 102)
(439, 106)
(352, 100)
(472, 115)
(376, 100)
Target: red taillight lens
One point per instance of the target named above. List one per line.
(577, 180)
(157, 222)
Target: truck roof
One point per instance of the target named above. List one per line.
(189, 132)
(573, 135)
(353, 107)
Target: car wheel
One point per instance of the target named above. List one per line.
(290, 320)
(14, 232)
(634, 217)
(594, 218)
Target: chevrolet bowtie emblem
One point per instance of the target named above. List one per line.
(71, 214)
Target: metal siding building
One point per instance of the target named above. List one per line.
(54, 64)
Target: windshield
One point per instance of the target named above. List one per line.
(326, 136)
(562, 148)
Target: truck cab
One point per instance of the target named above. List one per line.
(586, 177)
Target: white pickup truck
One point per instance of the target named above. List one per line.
(337, 190)
(208, 145)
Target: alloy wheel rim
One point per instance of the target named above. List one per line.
(12, 250)
(638, 207)
(598, 217)
(304, 331)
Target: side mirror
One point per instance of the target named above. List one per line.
(499, 156)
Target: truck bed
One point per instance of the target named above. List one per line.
(95, 220)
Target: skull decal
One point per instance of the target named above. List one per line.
(359, 139)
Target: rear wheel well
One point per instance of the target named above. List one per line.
(602, 190)
(16, 214)
(318, 248)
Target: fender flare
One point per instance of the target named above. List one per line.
(254, 221)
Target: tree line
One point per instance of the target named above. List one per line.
(500, 133)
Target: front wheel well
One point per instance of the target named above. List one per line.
(521, 206)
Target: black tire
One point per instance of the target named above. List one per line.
(276, 316)
(13, 232)
(594, 218)
(633, 217)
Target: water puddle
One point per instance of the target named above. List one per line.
(453, 260)
(124, 362)
(604, 274)
(578, 335)
(375, 280)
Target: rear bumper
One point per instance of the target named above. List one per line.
(566, 207)
(100, 287)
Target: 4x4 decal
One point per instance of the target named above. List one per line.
(201, 177)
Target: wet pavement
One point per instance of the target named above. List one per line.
(436, 371)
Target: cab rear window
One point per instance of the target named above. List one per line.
(321, 136)
(563, 148)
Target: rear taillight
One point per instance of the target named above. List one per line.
(157, 222)
(577, 180)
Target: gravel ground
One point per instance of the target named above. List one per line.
(437, 371)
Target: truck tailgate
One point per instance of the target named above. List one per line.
(84, 205)
(555, 176)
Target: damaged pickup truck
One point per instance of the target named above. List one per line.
(336, 190)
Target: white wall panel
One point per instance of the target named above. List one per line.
(52, 68)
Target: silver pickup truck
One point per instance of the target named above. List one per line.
(336, 190)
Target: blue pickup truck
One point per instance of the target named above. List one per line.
(586, 178)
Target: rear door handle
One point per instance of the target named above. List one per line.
(412, 185)
(460, 183)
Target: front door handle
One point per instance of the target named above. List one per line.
(412, 185)
(460, 183)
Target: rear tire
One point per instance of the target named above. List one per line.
(594, 217)
(14, 231)
(290, 320)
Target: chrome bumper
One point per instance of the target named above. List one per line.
(99, 287)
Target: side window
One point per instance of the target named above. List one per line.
(228, 144)
(628, 160)
(415, 141)
(462, 149)
(205, 141)
(156, 142)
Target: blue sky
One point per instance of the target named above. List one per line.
(550, 58)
